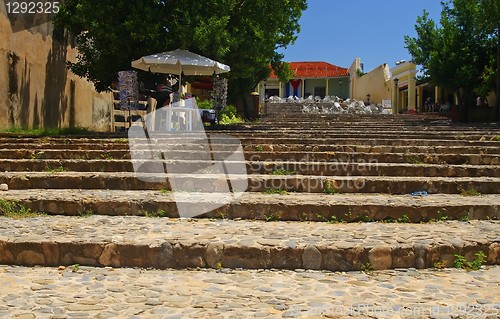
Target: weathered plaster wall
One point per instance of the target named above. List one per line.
(374, 83)
(37, 90)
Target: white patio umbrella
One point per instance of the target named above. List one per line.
(178, 62)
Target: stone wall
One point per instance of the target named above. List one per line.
(283, 108)
(37, 90)
(376, 83)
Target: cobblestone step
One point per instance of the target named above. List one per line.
(378, 156)
(127, 241)
(313, 138)
(395, 134)
(364, 141)
(310, 132)
(428, 124)
(82, 291)
(375, 157)
(298, 126)
(322, 123)
(304, 122)
(415, 149)
(115, 225)
(365, 138)
(291, 207)
(256, 183)
(274, 167)
(35, 149)
(38, 145)
(333, 129)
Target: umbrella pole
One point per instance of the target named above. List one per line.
(180, 79)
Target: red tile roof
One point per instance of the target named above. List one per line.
(315, 70)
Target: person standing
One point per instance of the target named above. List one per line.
(427, 105)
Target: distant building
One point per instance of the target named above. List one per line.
(373, 87)
(403, 77)
(311, 78)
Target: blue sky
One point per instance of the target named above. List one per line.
(337, 31)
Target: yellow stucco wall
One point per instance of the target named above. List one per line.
(37, 90)
(376, 83)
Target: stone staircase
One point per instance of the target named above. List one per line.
(324, 192)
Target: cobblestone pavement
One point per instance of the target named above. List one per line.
(95, 195)
(86, 292)
(173, 243)
(144, 230)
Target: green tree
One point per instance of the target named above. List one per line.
(109, 34)
(459, 54)
(490, 10)
(241, 33)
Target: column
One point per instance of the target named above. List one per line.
(411, 93)
(437, 94)
(326, 93)
(302, 86)
(352, 84)
(280, 94)
(394, 98)
(420, 102)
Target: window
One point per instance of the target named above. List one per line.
(320, 91)
(272, 92)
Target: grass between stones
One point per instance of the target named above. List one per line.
(36, 155)
(273, 217)
(86, 213)
(414, 160)
(283, 172)
(367, 268)
(57, 169)
(328, 188)
(475, 264)
(106, 156)
(468, 192)
(47, 131)
(15, 210)
(158, 214)
(279, 191)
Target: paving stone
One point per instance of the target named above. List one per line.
(311, 258)
(423, 244)
(452, 290)
(407, 154)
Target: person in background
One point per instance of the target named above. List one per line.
(427, 105)
(479, 101)
(166, 102)
(437, 106)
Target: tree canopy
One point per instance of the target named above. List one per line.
(460, 54)
(241, 33)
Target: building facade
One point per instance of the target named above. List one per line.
(372, 87)
(311, 79)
